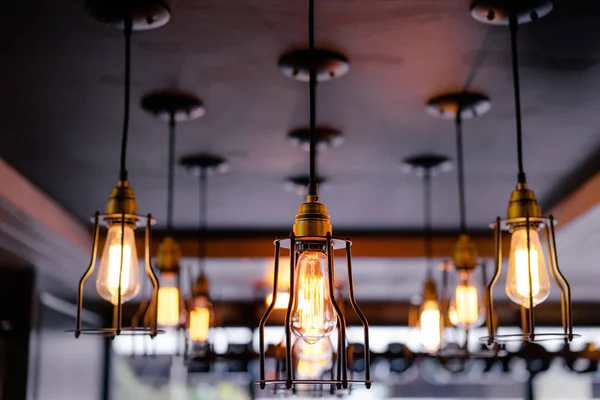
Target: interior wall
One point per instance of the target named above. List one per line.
(65, 368)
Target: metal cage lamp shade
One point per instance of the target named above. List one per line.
(313, 311)
(466, 307)
(118, 279)
(171, 106)
(430, 320)
(529, 265)
(200, 312)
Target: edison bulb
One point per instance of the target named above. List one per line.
(430, 326)
(118, 265)
(313, 316)
(523, 263)
(168, 300)
(466, 302)
(200, 320)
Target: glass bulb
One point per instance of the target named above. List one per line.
(313, 359)
(313, 316)
(522, 263)
(283, 299)
(111, 271)
(200, 319)
(168, 300)
(430, 326)
(468, 308)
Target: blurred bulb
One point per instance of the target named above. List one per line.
(168, 300)
(521, 263)
(283, 299)
(452, 314)
(112, 271)
(431, 326)
(313, 316)
(200, 319)
(467, 304)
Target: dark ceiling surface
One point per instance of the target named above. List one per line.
(61, 107)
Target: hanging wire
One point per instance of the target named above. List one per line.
(514, 26)
(312, 188)
(427, 220)
(461, 172)
(202, 212)
(127, 32)
(171, 169)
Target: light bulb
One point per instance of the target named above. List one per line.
(522, 263)
(168, 300)
(282, 302)
(452, 314)
(313, 316)
(112, 271)
(430, 326)
(200, 320)
(466, 301)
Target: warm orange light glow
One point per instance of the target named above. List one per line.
(313, 316)
(199, 324)
(283, 299)
(168, 306)
(467, 304)
(519, 271)
(431, 326)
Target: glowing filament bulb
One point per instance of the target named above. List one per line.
(524, 264)
(467, 304)
(168, 300)
(430, 326)
(200, 320)
(313, 316)
(118, 264)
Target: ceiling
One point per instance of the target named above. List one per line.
(62, 106)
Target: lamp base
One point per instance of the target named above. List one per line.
(208, 163)
(183, 106)
(432, 163)
(145, 14)
(470, 104)
(329, 65)
(498, 12)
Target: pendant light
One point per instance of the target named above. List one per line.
(118, 278)
(172, 106)
(431, 314)
(200, 309)
(528, 279)
(313, 312)
(466, 308)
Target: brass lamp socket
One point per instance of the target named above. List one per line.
(201, 287)
(122, 201)
(312, 219)
(430, 291)
(465, 253)
(169, 255)
(523, 203)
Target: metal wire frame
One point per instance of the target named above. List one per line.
(117, 327)
(528, 314)
(341, 380)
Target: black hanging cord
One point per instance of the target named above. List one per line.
(127, 31)
(461, 172)
(427, 220)
(203, 212)
(312, 188)
(171, 169)
(514, 26)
